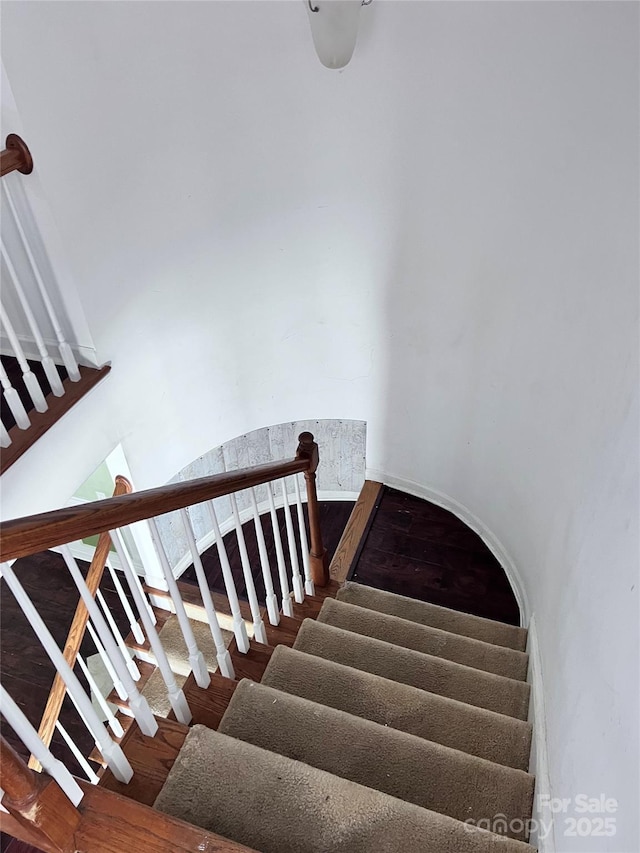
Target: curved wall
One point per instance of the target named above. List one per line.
(440, 240)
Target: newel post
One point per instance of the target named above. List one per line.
(36, 801)
(308, 449)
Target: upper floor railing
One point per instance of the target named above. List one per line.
(296, 576)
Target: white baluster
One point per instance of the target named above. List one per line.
(104, 657)
(222, 653)
(5, 438)
(136, 630)
(47, 362)
(271, 598)
(287, 604)
(63, 347)
(196, 658)
(28, 377)
(112, 720)
(130, 662)
(136, 580)
(298, 589)
(29, 737)
(239, 628)
(309, 587)
(259, 632)
(92, 776)
(176, 695)
(13, 400)
(138, 704)
(112, 753)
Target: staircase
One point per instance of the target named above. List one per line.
(363, 720)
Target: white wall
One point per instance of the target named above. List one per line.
(440, 240)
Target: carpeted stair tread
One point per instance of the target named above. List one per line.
(487, 630)
(418, 771)
(155, 692)
(422, 638)
(176, 648)
(487, 734)
(277, 805)
(427, 672)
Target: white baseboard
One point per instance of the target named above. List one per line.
(490, 540)
(542, 833)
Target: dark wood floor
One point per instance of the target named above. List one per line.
(14, 373)
(417, 549)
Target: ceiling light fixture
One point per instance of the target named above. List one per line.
(334, 28)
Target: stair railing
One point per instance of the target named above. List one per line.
(30, 325)
(109, 518)
(76, 633)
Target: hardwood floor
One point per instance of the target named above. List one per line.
(418, 549)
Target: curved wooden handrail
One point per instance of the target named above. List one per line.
(22, 536)
(76, 631)
(16, 156)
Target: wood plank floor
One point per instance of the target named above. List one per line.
(420, 550)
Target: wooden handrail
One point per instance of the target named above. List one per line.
(76, 632)
(16, 156)
(32, 534)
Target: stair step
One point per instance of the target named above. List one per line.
(151, 759)
(487, 734)
(422, 638)
(208, 704)
(192, 600)
(418, 771)
(277, 805)
(487, 630)
(427, 672)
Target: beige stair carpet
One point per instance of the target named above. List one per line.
(277, 805)
(477, 731)
(155, 692)
(418, 771)
(498, 633)
(176, 648)
(427, 672)
(423, 638)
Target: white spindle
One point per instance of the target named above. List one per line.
(63, 347)
(13, 400)
(5, 438)
(138, 704)
(271, 599)
(298, 588)
(29, 737)
(112, 753)
(104, 657)
(130, 662)
(196, 658)
(136, 630)
(136, 580)
(287, 604)
(28, 377)
(112, 720)
(92, 776)
(259, 632)
(309, 587)
(239, 628)
(222, 652)
(176, 695)
(48, 364)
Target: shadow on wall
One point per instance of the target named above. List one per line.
(340, 476)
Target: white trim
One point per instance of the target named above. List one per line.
(85, 355)
(543, 832)
(490, 540)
